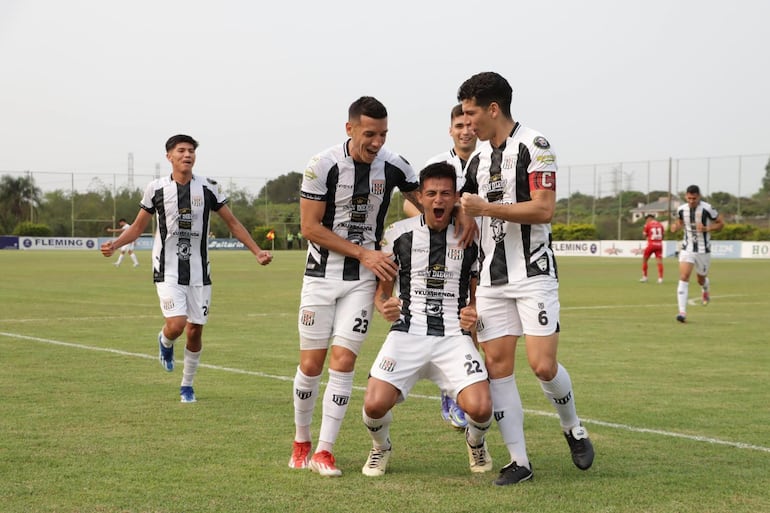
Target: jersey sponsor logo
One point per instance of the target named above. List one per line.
(541, 142)
(183, 250)
(436, 276)
(494, 189)
(387, 364)
(307, 318)
(340, 400)
(546, 158)
(377, 187)
(434, 308)
(303, 394)
(185, 219)
(496, 225)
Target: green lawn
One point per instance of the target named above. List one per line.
(89, 422)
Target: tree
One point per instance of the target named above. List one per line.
(766, 179)
(14, 194)
(284, 189)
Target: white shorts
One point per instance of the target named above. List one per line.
(521, 309)
(452, 362)
(701, 261)
(185, 300)
(335, 309)
(127, 247)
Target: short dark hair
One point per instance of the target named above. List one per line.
(486, 88)
(439, 170)
(180, 138)
(650, 216)
(367, 106)
(122, 220)
(693, 189)
(457, 111)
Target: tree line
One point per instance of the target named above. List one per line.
(26, 210)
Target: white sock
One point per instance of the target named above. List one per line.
(190, 367)
(559, 392)
(682, 290)
(134, 259)
(509, 414)
(477, 430)
(305, 396)
(167, 342)
(335, 404)
(379, 429)
(706, 284)
(120, 259)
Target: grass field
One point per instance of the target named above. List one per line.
(89, 422)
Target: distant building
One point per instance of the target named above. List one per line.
(657, 208)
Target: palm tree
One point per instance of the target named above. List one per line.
(16, 192)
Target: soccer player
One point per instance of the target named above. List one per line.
(653, 230)
(464, 143)
(128, 248)
(344, 197)
(432, 314)
(183, 203)
(698, 219)
(511, 183)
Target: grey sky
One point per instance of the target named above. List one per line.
(85, 82)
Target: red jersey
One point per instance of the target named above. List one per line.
(653, 230)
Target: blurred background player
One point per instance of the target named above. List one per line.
(464, 145)
(653, 230)
(697, 218)
(128, 248)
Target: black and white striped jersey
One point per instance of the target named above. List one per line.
(357, 196)
(453, 158)
(513, 252)
(695, 241)
(180, 250)
(434, 276)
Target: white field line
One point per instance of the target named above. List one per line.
(625, 427)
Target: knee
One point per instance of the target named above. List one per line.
(545, 371)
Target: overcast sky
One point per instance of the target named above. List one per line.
(265, 85)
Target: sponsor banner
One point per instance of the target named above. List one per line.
(623, 248)
(9, 242)
(226, 244)
(576, 248)
(755, 249)
(726, 249)
(72, 243)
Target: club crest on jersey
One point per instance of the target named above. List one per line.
(377, 187)
(454, 253)
(307, 317)
(387, 364)
(196, 201)
(541, 142)
(508, 162)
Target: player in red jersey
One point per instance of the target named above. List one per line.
(653, 230)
